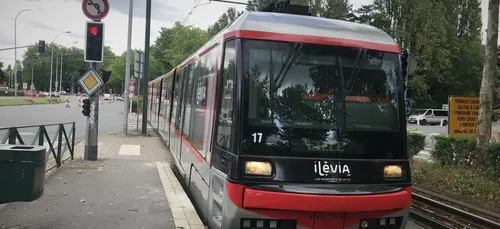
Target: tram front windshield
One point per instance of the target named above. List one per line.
(309, 100)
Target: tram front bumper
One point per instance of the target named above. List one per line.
(310, 211)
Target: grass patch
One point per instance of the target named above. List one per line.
(460, 182)
(28, 101)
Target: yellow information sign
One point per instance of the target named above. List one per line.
(462, 117)
(90, 81)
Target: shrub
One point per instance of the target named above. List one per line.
(492, 158)
(450, 150)
(459, 182)
(416, 142)
(135, 102)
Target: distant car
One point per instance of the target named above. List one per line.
(429, 116)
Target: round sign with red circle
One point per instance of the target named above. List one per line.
(95, 9)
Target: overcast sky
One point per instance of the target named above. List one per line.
(48, 18)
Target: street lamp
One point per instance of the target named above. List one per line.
(15, 51)
(52, 65)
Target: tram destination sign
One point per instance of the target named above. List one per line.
(463, 115)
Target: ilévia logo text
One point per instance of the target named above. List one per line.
(325, 170)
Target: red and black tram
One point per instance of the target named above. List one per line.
(290, 121)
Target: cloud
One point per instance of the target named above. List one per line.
(159, 8)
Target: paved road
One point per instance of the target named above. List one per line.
(109, 117)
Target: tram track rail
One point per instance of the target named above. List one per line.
(431, 211)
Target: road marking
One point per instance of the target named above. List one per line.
(134, 150)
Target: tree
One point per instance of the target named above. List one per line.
(3, 76)
(486, 93)
(224, 20)
(40, 64)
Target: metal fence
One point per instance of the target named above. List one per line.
(56, 145)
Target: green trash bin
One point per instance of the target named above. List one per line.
(22, 173)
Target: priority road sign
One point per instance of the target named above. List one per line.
(407, 106)
(95, 9)
(90, 81)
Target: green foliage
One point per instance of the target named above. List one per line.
(450, 150)
(40, 64)
(458, 182)
(10, 92)
(492, 156)
(174, 45)
(416, 142)
(224, 20)
(136, 101)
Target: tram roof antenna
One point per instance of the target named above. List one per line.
(284, 6)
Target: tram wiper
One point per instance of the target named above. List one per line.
(278, 81)
(360, 58)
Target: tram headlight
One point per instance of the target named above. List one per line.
(393, 171)
(258, 168)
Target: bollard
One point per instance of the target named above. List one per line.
(80, 102)
(67, 102)
(22, 173)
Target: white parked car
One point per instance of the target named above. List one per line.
(429, 116)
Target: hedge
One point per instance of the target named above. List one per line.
(450, 150)
(135, 101)
(416, 142)
(11, 93)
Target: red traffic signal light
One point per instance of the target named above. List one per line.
(93, 30)
(94, 42)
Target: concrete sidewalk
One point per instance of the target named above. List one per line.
(130, 186)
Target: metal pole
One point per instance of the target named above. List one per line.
(138, 102)
(51, 67)
(92, 131)
(146, 68)
(127, 69)
(15, 51)
(15, 56)
(60, 81)
(57, 72)
(32, 69)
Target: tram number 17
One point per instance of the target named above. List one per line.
(257, 137)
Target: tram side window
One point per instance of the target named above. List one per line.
(176, 100)
(187, 98)
(225, 113)
(198, 113)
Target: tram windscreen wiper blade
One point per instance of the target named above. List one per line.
(360, 58)
(286, 66)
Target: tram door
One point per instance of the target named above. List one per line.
(222, 142)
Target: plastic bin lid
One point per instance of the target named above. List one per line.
(22, 153)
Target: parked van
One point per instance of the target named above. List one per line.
(429, 116)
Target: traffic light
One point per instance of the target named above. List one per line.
(105, 75)
(86, 107)
(41, 46)
(94, 42)
(404, 64)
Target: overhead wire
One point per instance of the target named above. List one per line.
(197, 4)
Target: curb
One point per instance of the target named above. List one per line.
(184, 214)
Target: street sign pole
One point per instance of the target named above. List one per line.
(146, 68)
(96, 10)
(92, 131)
